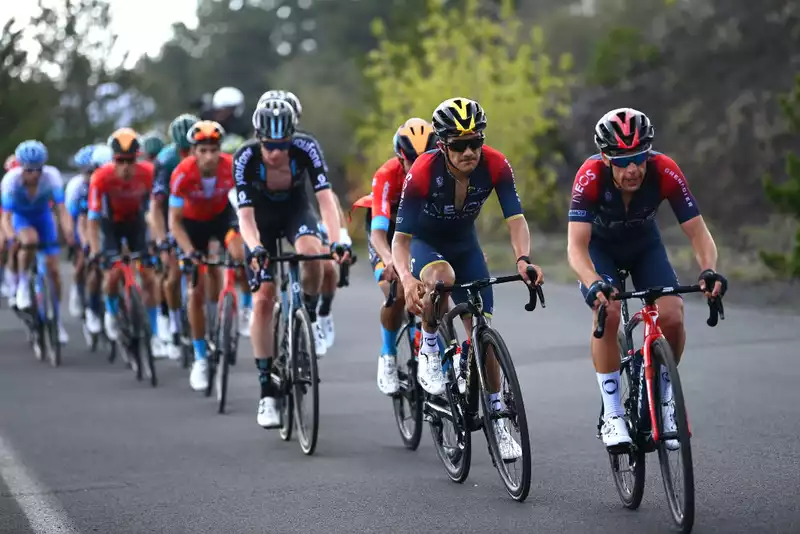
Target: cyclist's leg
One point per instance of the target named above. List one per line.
(262, 336)
(199, 233)
(652, 269)
(304, 236)
(112, 234)
(78, 289)
(173, 297)
(429, 266)
(330, 279)
(605, 351)
(136, 234)
(48, 236)
(27, 234)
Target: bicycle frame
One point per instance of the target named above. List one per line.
(291, 296)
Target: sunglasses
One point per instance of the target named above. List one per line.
(32, 169)
(276, 145)
(201, 137)
(624, 161)
(125, 161)
(460, 145)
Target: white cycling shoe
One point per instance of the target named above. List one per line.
(198, 378)
(668, 424)
(328, 331)
(429, 372)
(268, 416)
(320, 344)
(388, 382)
(615, 432)
(509, 448)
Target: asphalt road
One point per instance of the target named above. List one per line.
(85, 448)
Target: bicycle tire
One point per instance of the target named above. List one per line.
(187, 350)
(38, 330)
(226, 346)
(129, 331)
(410, 392)
(631, 497)
(682, 513)
(307, 434)
(142, 335)
(518, 491)
(280, 373)
(50, 324)
(457, 460)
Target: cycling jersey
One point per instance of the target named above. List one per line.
(34, 211)
(164, 165)
(596, 200)
(118, 199)
(76, 196)
(427, 205)
(202, 198)
(254, 185)
(387, 185)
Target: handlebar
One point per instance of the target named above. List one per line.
(535, 292)
(191, 266)
(716, 310)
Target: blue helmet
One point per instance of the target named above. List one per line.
(83, 158)
(101, 155)
(31, 152)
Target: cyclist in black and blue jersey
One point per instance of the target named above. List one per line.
(435, 236)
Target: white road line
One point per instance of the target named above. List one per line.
(43, 511)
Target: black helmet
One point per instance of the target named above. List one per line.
(274, 119)
(622, 132)
(458, 116)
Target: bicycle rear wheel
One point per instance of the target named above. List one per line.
(447, 422)
(142, 336)
(678, 478)
(407, 402)
(305, 382)
(38, 330)
(129, 328)
(50, 326)
(628, 468)
(280, 373)
(226, 348)
(187, 350)
(514, 470)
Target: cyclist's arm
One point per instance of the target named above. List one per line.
(8, 227)
(65, 220)
(83, 228)
(506, 189)
(585, 192)
(7, 199)
(245, 198)
(415, 191)
(176, 202)
(381, 216)
(158, 200)
(96, 193)
(329, 213)
(705, 250)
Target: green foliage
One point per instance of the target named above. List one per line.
(492, 59)
(618, 54)
(786, 196)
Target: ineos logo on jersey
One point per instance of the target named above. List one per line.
(584, 180)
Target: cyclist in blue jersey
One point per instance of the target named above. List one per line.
(612, 226)
(78, 188)
(26, 195)
(435, 232)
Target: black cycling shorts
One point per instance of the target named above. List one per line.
(133, 233)
(201, 232)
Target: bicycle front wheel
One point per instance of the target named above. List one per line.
(511, 454)
(674, 450)
(280, 372)
(51, 344)
(407, 401)
(142, 335)
(226, 348)
(305, 382)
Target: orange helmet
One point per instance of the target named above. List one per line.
(205, 132)
(124, 142)
(413, 138)
(10, 163)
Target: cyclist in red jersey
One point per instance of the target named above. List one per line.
(118, 195)
(413, 138)
(612, 226)
(198, 211)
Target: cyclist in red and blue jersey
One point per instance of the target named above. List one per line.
(612, 226)
(436, 237)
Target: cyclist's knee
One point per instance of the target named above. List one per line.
(613, 313)
(670, 313)
(440, 271)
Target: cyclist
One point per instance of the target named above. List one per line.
(152, 143)
(269, 174)
(227, 108)
(199, 211)
(118, 195)
(8, 288)
(413, 138)
(324, 330)
(612, 226)
(165, 163)
(435, 232)
(76, 196)
(26, 195)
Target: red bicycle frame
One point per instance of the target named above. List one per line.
(652, 331)
(228, 288)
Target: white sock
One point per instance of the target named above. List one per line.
(22, 279)
(609, 387)
(430, 342)
(666, 385)
(174, 321)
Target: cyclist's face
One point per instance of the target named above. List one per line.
(30, 175)
(630, 178)
(462, 156)
(123, 167)
(207, 158)
(276, 151)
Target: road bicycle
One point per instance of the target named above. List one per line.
(640, 383)
(463, 410)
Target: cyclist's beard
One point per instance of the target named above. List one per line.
(629, 181)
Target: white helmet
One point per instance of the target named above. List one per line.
(101, 155)
(228, 97)
(287, 96)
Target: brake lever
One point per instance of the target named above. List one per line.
(390, 298)
(600, 329)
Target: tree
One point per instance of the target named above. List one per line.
(487, 57)
(786, 196)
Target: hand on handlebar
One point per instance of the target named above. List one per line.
(599, 294)
(522, 269)
(414, 291)
(717, 282)
(341, 252)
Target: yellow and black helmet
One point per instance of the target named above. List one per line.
(458, 116)
(124, 142)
